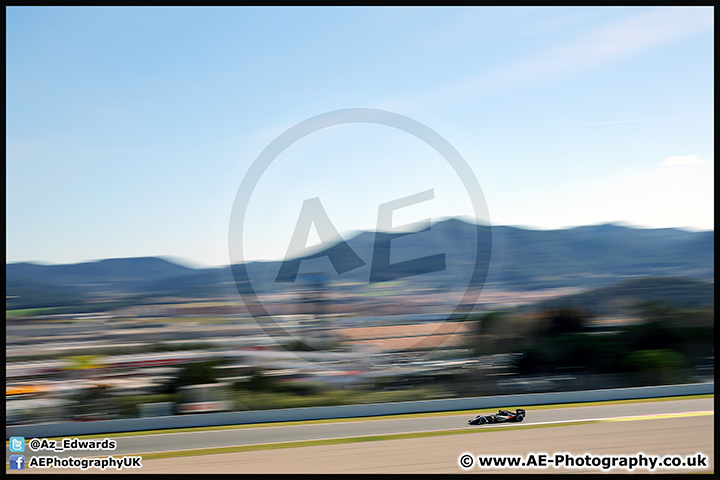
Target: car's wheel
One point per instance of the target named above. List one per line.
(483, 421)
(520, 418)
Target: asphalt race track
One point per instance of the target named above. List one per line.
(656, 430)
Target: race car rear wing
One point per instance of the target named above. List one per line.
(520, 411)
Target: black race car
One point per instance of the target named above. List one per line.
(501, 416)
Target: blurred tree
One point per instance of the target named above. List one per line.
(197, 373)
(567, 320)
(656, 311)
(655, 334)
(535, 361)
(657, 367)
(661, 349)
(259, 382)
(497, 332)
(594, 353)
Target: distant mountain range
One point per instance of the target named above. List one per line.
(507, 258)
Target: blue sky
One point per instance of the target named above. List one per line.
(130, 130)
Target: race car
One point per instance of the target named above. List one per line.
(501, 416)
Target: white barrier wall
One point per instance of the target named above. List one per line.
(349, 411)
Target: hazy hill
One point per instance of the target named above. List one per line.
(31, 285)
(597, 255)
(510, 257)
(116, 275)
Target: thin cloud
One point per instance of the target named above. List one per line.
(681, 160)
(612, 122)
(620, 39)
(600, 46)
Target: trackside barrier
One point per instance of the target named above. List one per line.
(349, 411)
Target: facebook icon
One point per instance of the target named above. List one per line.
(17, 462)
